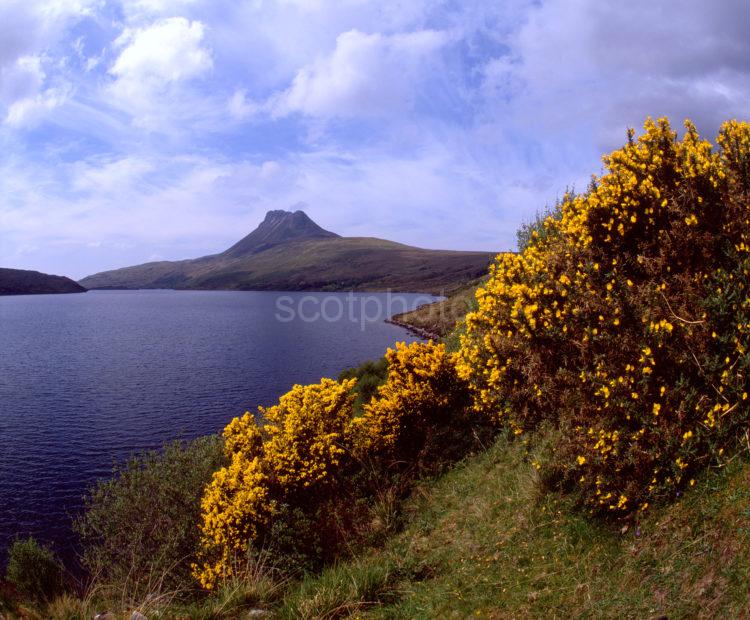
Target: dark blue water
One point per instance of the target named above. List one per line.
(85, 380)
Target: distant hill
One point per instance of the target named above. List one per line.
(290, 252)
(20, 282)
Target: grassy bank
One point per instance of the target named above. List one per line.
(485, 541)
(440, 318)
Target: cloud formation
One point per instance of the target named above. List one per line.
(141, 129)
(30, 30)
(365, 75)
(152, 66)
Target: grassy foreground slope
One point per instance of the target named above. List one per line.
(484, 541)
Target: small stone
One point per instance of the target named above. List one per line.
(137, 615)
(105, 615)
(258, 613)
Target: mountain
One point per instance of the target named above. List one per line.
(290, 252)
(20, 282)
(278, 227)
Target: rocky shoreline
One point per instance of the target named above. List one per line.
(417, 331)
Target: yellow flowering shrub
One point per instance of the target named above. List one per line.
(624, 321)
(243, 436)
(291, 459)
(300, 477)
(304, 442)
(237, 510)
(414, 411)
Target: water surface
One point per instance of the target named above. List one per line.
(85, 380)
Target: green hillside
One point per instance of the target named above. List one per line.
(484, 541)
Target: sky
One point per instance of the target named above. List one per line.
(139, 130)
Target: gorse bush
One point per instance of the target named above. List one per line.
(624, 323)
(34, 570)
(296, 482)
(288, 464)
(421, 401)
(530, 232)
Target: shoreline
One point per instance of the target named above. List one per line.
(418, 331)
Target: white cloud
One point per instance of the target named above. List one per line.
(366, 75)
(588, 66)
(240, 107)
(22, 92)
(30, 110)
(169, 50)
(153, 63)
(29, 26)
(145, 8)
(21, 79)
(29, 29)
(109, 176)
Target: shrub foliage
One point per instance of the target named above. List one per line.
(139, 528)
(290, 462)
(296, 482)
(415, 413)
(34, 570)
(624, 322)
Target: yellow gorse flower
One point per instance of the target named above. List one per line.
(600, 315)
(296, 454)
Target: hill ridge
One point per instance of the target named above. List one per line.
(289, 251)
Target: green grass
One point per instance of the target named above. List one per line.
(370, 375)
(485, 541)
(440, 318)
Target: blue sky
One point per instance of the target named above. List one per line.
(139, 130)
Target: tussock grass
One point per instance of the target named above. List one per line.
(342, 591)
